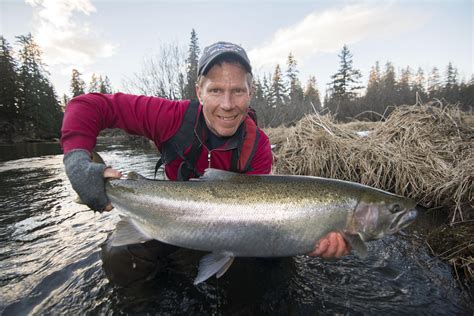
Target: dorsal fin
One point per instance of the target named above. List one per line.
(132, 175)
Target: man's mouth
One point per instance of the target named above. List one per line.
(227, 118)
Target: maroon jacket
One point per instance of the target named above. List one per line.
(155, 118)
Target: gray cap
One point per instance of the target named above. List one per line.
(218, 49)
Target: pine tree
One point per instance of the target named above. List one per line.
(419, 84)
(278, 95)
(344, 86)
(389, 86)
(295, 108)
(105, 86)
(39, 105)
(404, 91)
(267, 90)
(78, 85)
(258, 101)
(451, 86)
(312, 99)
(9, 88)
(434, 83)
(373, 99)
(95, 83)
(192, 66)
(64, 101)
(345, 82)
(451, 77)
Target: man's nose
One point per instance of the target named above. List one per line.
(226, 101)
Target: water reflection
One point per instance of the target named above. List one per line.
(49, 257)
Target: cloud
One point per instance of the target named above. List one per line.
(327, 31)
(65, 40)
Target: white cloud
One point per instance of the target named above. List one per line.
(64, 39)
(327, 31)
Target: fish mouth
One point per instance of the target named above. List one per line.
(402, 220)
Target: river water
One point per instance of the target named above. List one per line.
(50, 260)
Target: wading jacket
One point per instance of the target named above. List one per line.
(156, 118)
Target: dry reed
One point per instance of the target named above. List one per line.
(424, 152)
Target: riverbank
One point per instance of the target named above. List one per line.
(424, 152)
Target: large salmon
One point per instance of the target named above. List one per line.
(232, 215)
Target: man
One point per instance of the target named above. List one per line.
(215, 132)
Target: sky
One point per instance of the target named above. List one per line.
(114, 38)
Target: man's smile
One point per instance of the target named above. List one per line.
(228, 118)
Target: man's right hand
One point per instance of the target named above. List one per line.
(87, 179)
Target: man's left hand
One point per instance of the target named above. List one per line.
(332, 245)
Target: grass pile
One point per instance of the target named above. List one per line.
(424, 152)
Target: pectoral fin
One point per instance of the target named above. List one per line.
(357, 244)
(127, 233)
(213, 263)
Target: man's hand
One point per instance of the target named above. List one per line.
(332, 245)
(110, 173)
(87, 179)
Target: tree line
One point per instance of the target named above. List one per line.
(280, 98)
(347, 99)
(29, 106)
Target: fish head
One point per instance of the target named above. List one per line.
(380, 213)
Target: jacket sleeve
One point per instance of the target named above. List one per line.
(263, 159)
(86, 115)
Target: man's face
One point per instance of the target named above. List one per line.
(225, 96)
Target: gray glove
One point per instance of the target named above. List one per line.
(87, 178)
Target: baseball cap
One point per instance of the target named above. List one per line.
(218, 49)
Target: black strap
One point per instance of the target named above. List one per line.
(177, 144)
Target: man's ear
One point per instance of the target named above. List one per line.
(198, 92)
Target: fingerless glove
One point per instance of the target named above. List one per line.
(87, 178)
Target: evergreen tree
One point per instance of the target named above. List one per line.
(451, 86)
(258, 101)
(389, 86)
(192, 66)
(105, 86)
(434, 83)
(466, 95)
(95, 83)
(451, 77)
(65, 100)
(39, 104)
(78, 85)
(373, 97)
(267, 89)
(345, 84)
(278, 95)
(404, 92)
(8, 82)
(312, 101)
(419, 84)
(295, 108)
